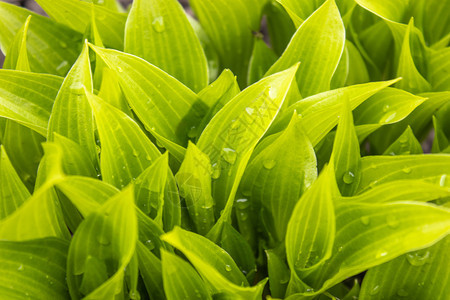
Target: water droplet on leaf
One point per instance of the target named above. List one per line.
(158, 24)
(229, 155)
(103, 240)
(348, 177)
(215, 171)
(250, 110)
(365, 220)
(375, 290)
(228, 268)
(20, 268)
(269, 164)
(418, 258)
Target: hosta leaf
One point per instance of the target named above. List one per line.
(181, 281)
(150, 268)
(304, 8)
(194, 182)
(376, 170)
(278, 175)
(40, 216)
(440, 142)
(386, 107)
(311, 230)
(278, 274)
(412, 81)
(159, 32)
(126, 150)
(419, 120)
(216, 95)
(346, 153)
(77, 15)
(390, 10)
(234, 244)
(165, 106)
(214, 264)
(357, 69)
(71, 114)
(279, 26)
(27, 98)
(405, 144)
(25, 150)
(425, 275)
(232, 134)
(110, 91)
(156, 193)
(13, 192)
(33, 268)
(439, 70)
(229, 25)
(318, 44)
(101, 248)
(398, 190)
(110, 4)
(371, 234)
(17, 58)
(52, 48)
(321, 111)
(262, 58)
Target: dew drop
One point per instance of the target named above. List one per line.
(388, 117)
(135, 153)
(20, 268)
(403, 139)
(119, 69)
(269, 164)
(234, 124)
(386, 108)
(381, 253)
(273, 92)
(348, 177)
(407, 170)
(158, 24)
(402, 293)
(365, 220)
(102, 240)
(63, 66)
(250, 110)
(77, 88)
(418, 258)
(375, 290)
(392, 221)
(149, 244)
(192, 133)
(242, 203)
(229, 155)
(228, 268)
(215, 171)
(340, 249)
(442, 180)
(63, 44)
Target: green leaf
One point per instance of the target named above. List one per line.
(194, 183)
(425, 275)
(357, 69)
(51, 48)
(386, 107)
(167, 108)
(261, 60)
(412, 81)
(125, 149)
(440, 142)
(181, 281)
(346, 153)
(439, 69)
(111, 92)
(38, 217)
(311, 230)
(405, 144)
(101, 248)
(156, 194)
(13, 192)
(150, 268)
(232, 134)
(230, 25)
(278, 274)
(279, 25)
(25, 151)
(77, 15)
(278, 174)
(71, 114)
(390, 10)
(214, 264)
(318, 44)
(27, 98)
(376, 170)
(159, 32)
(398, 190)
(321, 111)
(371, 234)
(17, 58)
(33, 269)
(216, 95)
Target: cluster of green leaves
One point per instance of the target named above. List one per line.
(150, 155)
